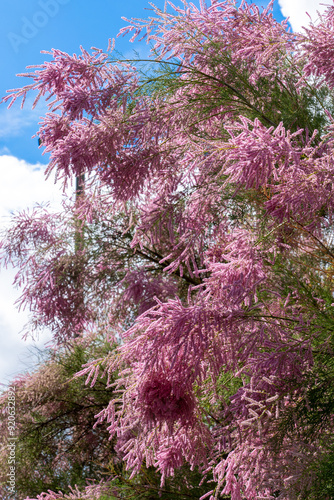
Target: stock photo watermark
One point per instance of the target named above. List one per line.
(11, 422)
(33, 24)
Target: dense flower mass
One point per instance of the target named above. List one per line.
(200, 249)
(165, 401)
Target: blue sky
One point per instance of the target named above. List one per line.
(26, 28)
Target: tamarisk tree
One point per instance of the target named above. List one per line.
(206, 249)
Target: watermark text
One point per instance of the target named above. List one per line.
(11, 424)
(33, 24)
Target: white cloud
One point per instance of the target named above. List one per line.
(15, 353)
(296, 11)
(22, 186)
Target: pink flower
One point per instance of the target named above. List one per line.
(165, 400)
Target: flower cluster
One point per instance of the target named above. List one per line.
(202, 244)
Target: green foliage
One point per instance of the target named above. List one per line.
(185, 485)
(55, 417)
(57, 445)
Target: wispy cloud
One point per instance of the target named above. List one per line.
(4, 151)
(15, 120)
